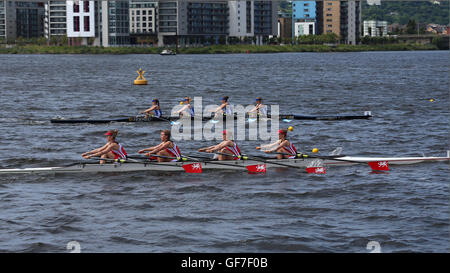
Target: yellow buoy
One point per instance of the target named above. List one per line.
(140, 80)
(431, 100)
(290, 129)
(315, 150)
(181, 103)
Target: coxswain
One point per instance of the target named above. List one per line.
(187, 109)
(227, 146)
(154, 108)
(165, 151)
(282, 146)
(111, 150)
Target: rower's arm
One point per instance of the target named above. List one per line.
(184, 108)
(96, 150)
(147, 149)
(206, 148)
(220, 108)
(268, 146)
(150, 109)
(104, 150)
(219, 146)
(281, 145)
(161, 147)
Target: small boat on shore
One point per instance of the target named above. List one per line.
(167, 52)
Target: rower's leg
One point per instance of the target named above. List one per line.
(280, 156)
(109, 155)
(164, 153)
(225, 157)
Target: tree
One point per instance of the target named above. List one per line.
(411, 27)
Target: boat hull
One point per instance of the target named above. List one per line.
(223, 165)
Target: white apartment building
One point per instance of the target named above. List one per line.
(55, 22)
(143, 16)
(80, 19)
(374, 28)
(304, 28)
(241, 18)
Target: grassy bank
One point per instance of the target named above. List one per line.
(217, 49)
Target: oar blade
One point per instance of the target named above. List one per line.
(379, 165)
(193, 168)
(316, 170)
(259, 168)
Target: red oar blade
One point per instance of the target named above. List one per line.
(379, 165)
(260, 168)
(193, 168)
(316, 170)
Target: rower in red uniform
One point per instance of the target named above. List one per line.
(282, 145)
(166, 148)
(111, 150)
(227, 146)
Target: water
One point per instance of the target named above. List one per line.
(404, 210)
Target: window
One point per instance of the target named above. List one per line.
(86, 24)
(144, 12)
(329, 3)
(144, 18)
(329, 25)
(144, 24)
(138, 12)
(328, 9)
(86, 6)
(306, 4)
(306, 10)
(329, 20)
(76, 8)
(76, 23)
(329, 14)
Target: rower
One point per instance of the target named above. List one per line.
(227, 146)
(187, 110)
(165, 149)
(282, 145)
(260, 109)
(155, 109)
(224, 109)
(111, 150)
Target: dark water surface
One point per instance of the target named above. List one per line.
(404, 210)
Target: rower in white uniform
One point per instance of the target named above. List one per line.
(167, 148)
(282, 146)
(260, 109)
(111, 150)
(225, 109)
(187, 110)
(228, 149)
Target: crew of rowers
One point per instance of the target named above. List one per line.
(188, 109)
(167, 150)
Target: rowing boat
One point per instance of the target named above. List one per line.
(223, 165)
(367, 115)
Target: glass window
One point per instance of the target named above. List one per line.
(76, 23)
(86, 23)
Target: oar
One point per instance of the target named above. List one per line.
(375, 165)
(251, 168)
(244, 157)
(164, 119)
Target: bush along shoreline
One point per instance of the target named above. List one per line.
(215, 49)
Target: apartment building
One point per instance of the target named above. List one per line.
(340, 17)
(142, 16)
(374, 28)
(2, 21)
(304, 18)
(205, 22)
(55, 19)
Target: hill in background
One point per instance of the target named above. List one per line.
(401, 12)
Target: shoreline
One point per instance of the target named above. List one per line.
(216, 49)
